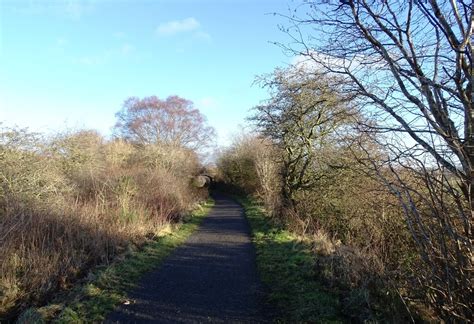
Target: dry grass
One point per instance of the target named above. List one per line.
(77, 200)
(352, 222)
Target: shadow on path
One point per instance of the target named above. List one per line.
(211, 278)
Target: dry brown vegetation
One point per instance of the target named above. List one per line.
(390, 234)
(360, 240)
(408, 67)
(77, 200)
(371, 137)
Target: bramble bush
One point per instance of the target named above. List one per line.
(76, 200)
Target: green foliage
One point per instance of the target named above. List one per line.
(237, 166)
(287, 266)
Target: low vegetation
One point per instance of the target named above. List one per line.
(375, 224)
(286, 265)
(406, 69)
(106, 286)
(362, 158)
(74, 200)
(337, 234)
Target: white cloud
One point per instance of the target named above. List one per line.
(203, 36)
(207, 103)
(314, 61)
(178, 26)
(70, 9)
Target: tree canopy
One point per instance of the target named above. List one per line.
(173, 121)
(301, 118)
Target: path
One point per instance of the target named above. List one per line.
(211, 278)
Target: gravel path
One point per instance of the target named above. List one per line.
(211, 278)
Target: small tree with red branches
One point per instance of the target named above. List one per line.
(173, 121)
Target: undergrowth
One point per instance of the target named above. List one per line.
(107, 286)
(70, 202)
(287, 267)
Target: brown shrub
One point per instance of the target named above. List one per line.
(357, 228)
(77, 200)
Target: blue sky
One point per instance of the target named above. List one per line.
(67, 63)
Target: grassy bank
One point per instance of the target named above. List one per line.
(70, 202)
(287, 267)
(107, 286)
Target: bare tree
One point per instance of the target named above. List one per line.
(173, 121)
(409, 64)
(299, 118)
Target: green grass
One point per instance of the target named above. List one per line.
(107, 286)
(287, 267)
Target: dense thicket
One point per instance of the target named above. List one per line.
(308, 164)
(405, 172)
(75, 200)
(408, 65)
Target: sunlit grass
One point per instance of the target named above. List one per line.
(287, 267)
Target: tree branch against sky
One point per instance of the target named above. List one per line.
(413, 59)
(80, 59)
(301, 118)
(409, 66)
(173, 121)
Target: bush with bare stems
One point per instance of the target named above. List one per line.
(76, 200)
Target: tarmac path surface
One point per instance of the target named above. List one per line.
(211, 278)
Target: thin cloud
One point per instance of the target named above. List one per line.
(208, 103)
(203, 36)
(127, 49)
(70, 9)
(317, 61)
(75, 9)
(178, 26)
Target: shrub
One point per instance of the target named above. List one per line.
(362, 246)
(76, 200)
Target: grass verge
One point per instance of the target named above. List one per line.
(107, 286)
(287, 267)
